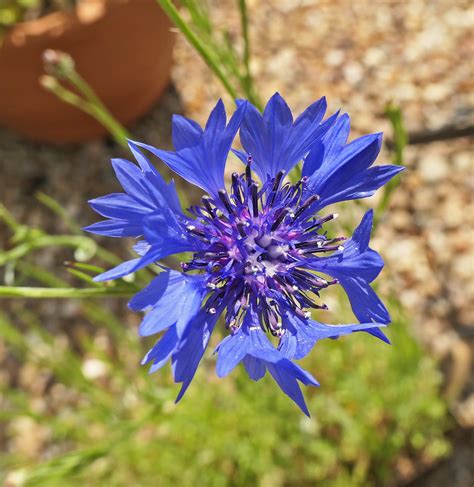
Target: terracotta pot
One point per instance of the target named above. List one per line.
(122, 48)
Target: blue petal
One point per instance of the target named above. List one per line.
(147, 188)
(367, 183)
(119, 206)
(285, 378)
(164, 195)
(131, 179)
(255, 367)
(218, 146)
(121, 270)
(355, 267)
(278, 121)
(189, 162)
(186, 359)
(361, 185)
(232, 350)
(365, 304)
(203, 163)
(215, 124)
(143, 162)
(146, 192)
(164, 231)
(115, 228)
(345, 173)
(141, 247)
(311, 116)
(378, 333)
(313, 160)
(161, 352)
(340, 172)
(356, 258)
(344, 162)
(274, 141)
(322, 330)
(252, 133)
(130, 266)
(250, 345)
(186, 132)
(301, 335)
(162, 294)
(301, 140)
(336, 138)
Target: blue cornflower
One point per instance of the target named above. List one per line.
(260, 254)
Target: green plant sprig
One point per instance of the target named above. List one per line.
(61, 68)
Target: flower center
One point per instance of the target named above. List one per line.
(256, 242)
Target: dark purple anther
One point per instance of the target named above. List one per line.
(224, 197)
(248, 170)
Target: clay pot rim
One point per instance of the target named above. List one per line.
(53, 24)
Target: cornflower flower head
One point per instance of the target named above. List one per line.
(261, 254)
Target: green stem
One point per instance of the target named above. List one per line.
(91, 105)
(248, 82)
(62, 293)
(23, 249)
(95, 313)
(194, 40)
(56, 208)
(400, 141)
(8, 218)
(245, 35)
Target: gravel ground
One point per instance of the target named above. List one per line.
(413, 53)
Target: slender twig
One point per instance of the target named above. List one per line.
(444, 133)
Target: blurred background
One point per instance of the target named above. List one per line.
(76, 408)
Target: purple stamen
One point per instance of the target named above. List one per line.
(253, 249)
